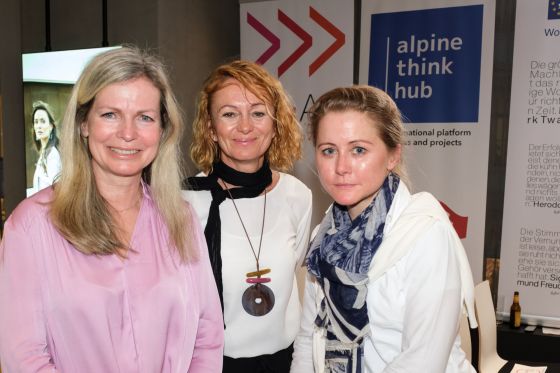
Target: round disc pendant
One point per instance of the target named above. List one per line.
(258, 300)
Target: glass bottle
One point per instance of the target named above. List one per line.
(515, 312)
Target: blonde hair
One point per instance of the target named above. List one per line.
(78, 210)
(375, 103)
(286, 146)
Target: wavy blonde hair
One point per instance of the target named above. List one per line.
(78, 210)
(375, 103)
(286, 146)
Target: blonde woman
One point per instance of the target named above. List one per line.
(108, 271)
(387, 274)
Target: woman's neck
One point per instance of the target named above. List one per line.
(248, 167)
(123, 195)
(44, 143)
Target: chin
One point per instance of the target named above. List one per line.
(344, 201)
(126, 173)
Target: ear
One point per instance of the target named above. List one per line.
(84, 130)
(212, 131)
(394, 157)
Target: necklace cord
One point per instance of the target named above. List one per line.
(258, 254)
(119, 211)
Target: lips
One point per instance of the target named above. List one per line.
(344, 186)
(244, 141)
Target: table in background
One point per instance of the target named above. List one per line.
(519, 345)
(550, 367)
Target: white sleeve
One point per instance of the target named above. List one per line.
(432, 304)
(302, 238)
(53, 165)
(302, 359)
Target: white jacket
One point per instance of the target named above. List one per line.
(419, 279)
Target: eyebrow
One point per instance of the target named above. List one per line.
(142, 111)
(235, 106)
(360, 140)
(351, 142)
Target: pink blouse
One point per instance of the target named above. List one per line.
(63, 311)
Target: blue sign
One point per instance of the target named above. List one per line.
(429, 62)
(553, 9)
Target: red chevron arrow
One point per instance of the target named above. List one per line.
(339, 36)
(268, 35)
(459, 222)
(296, 29)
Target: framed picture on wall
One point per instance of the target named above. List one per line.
(48, 79)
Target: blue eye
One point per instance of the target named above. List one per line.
(327, 151)
(109, 115)
(359, 150)
(146, 118)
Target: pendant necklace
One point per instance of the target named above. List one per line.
(258, 299)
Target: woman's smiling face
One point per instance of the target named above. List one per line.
(242, 126)
(123, 129)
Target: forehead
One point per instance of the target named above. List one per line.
(140, 90)
(347, 125)
(231, 88)
(41, 113)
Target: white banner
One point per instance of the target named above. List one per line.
(308, 45)
(530, 253)
(435, 59)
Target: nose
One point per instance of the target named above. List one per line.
(127, 130)
(245, 125)
(342, 165)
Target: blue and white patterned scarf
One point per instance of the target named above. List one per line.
(340, 257)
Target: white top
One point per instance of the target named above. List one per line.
(42, 179)
(414, 307)
(284, 244)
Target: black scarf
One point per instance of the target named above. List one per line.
(250, 185)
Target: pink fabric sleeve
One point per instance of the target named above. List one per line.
(23, 341)
(208, 350)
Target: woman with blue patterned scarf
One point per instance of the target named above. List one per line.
(388, 277)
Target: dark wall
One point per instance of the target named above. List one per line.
(13, 146)
(192, 37)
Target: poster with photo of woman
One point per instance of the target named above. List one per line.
(41, 154)
(48, 78)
